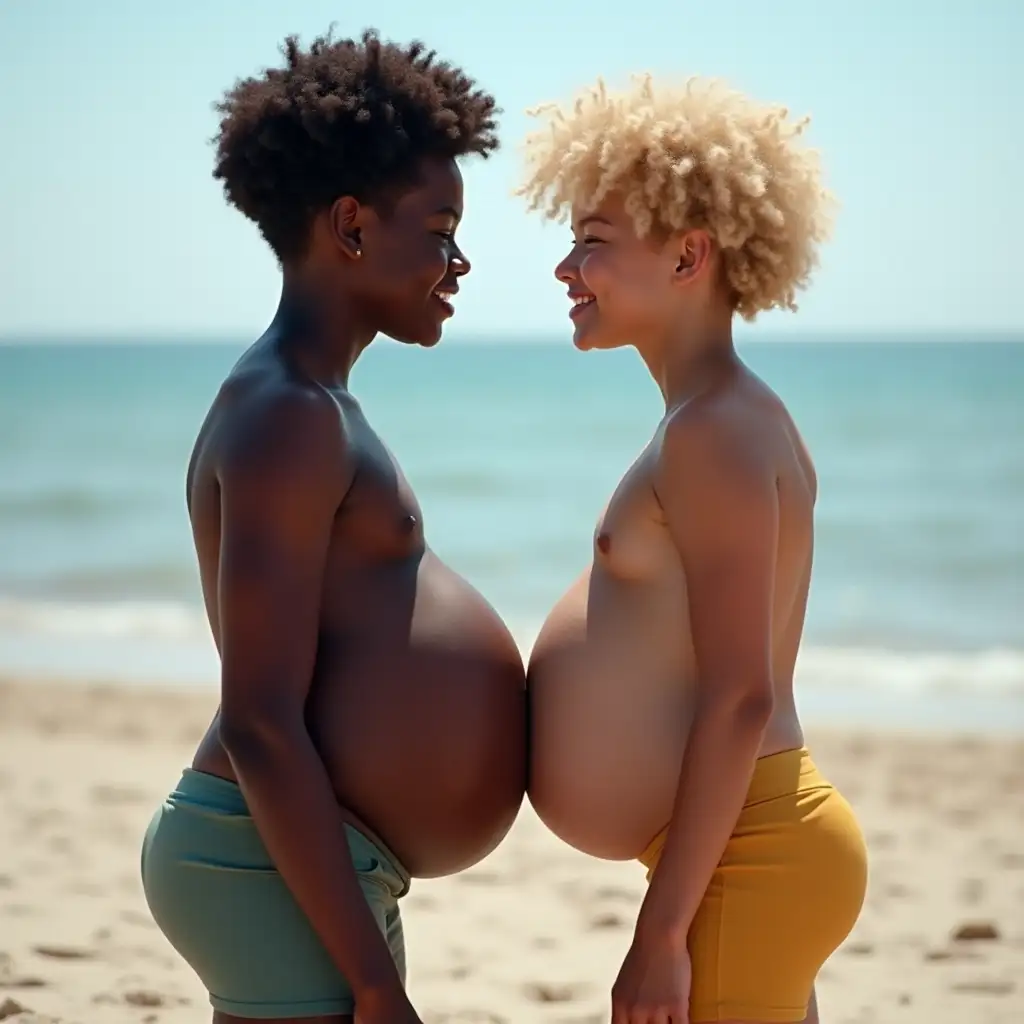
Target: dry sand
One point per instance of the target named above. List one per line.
(536, 932)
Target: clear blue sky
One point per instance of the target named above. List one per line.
(110, 221)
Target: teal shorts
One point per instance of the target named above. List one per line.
(217, 897)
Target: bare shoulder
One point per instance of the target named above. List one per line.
(727, 430)
(274, 430)
(739, 433)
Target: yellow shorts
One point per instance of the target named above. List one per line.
(785, 894)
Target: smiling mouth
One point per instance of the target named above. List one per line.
(580, 303)
(445, 298)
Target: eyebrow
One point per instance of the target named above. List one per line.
(595, 219)
(447, 211)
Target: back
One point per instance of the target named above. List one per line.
(763, 421)
(254, 379)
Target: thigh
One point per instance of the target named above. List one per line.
(256, 952)
(787, 892)
(810, 1018)
(745, 965)
(812, 1009)
(218, 899)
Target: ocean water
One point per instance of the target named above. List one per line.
(917, 605)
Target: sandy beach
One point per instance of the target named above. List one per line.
(536, 932)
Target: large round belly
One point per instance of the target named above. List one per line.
(424, 734)
(608, 722)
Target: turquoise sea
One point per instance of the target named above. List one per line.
(917, 606)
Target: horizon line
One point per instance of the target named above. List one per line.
(862, 335)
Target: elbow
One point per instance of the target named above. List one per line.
(757, 706)
(248, 735)
(746, 708)
(241, 740)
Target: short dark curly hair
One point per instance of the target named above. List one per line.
(345, 117)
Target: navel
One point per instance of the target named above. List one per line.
(604, 542)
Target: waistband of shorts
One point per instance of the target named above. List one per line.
(783, 774)
(222, 796)
(211, 792)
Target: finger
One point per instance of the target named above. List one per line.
(662, 1016)
(636, 1015)
(624, 1015)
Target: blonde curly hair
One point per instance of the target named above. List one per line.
(699, 156)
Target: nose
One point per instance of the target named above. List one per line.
(460, 263)
(568, 270)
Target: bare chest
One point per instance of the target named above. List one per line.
(631, 540)
(380, 520)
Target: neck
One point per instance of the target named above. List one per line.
(692, 356)
(319, 327)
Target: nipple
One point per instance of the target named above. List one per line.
(604, 543)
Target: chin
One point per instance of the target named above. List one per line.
(591, 341)
(422, 337)
(430, 338)
(582, 340)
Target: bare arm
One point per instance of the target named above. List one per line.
(284, 474)
(719, 495)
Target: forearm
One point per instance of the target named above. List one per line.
(717, 768)
(293, 805)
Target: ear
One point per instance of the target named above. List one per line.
(693, 251)
(345, 220)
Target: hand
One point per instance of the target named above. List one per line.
(390, 1006)
(653, 986)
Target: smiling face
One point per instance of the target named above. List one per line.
(405, 264)
(623, 288)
